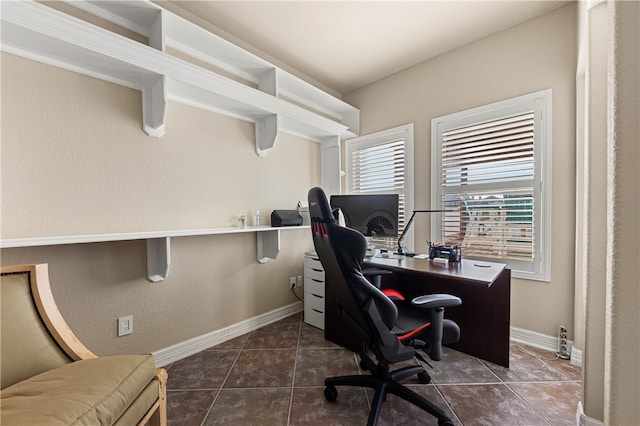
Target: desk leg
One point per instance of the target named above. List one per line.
(499, 319)
(483, 316)
(484, 320)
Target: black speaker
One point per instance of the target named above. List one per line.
(285, 218)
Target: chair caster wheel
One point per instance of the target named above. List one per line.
(330, 393)
(445, 423)
(424, 378)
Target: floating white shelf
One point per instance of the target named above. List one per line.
(158, 243)
(275, 100)
(41, 33)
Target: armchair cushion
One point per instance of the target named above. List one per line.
(88, 392)
(50, 378)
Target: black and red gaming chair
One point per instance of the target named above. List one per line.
(421, 321)
(370, 314)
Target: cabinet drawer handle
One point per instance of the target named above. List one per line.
(320, 312)
(317, 295)
(318, 281)
(317, 270)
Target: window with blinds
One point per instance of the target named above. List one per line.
(487, 178)
(378, 164)
(488, 175)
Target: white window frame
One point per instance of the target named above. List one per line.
(404, 133)
(540, 104)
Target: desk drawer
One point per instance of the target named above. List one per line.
(314, 318)
(314, 301)
(314, 274)
(313, 263)
(313, 291)
(314, 286)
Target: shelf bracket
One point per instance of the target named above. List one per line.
(268, 245)
(266, 134)
(154, 106)
(268, 82)
(158, 259)
(157, 32)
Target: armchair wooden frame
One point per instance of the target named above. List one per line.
(67, 340)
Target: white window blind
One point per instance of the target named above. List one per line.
(487, 174)
(379, 167)
(378, 164)
(489, 179)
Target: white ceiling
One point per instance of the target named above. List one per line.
(348, 44)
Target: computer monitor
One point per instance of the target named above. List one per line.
(372, 214)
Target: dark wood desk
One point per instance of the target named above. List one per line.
(485, 290)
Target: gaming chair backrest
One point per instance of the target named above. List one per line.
(341, 251)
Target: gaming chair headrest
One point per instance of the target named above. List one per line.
(319, 207)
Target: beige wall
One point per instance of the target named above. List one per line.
(622, 357)
(536, 55)
(93, 170)
(609, 277)
(76, 161)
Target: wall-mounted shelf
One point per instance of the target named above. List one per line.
(280, 103)
(158, 243)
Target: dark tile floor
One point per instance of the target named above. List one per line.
(274, 376)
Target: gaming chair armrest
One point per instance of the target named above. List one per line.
(374, 275)
(431, 301)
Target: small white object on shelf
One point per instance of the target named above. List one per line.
(303, 210)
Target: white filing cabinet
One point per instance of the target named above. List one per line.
(313, 290)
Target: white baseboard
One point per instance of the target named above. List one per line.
(542, 341)
(189, 347)
(535, 339)
(174, 353)
(576, 356)
(583, 420)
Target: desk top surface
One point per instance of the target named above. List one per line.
(472, 271)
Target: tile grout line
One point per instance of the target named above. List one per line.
(448, 404)
(527, 403)
(293, 374)
(226, 377)
(566, 377)
(489, 368)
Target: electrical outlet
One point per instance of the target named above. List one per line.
(292, 282)
(299, 281)
(125, 325)
(563, 345)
